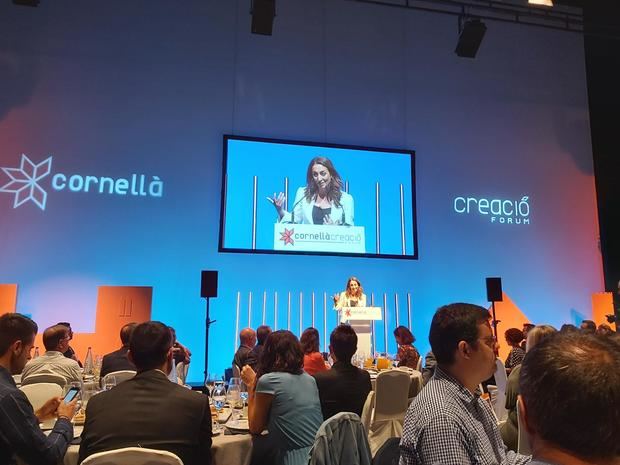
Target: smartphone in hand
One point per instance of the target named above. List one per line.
(71, 393)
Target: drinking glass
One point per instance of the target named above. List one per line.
(210, 384)
(233, 396)
(110, 382)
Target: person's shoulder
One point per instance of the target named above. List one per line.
(346, 197)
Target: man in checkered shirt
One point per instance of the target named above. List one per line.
(448, 423)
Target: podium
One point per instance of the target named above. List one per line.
(360, 320)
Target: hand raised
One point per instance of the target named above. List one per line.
(278, 202)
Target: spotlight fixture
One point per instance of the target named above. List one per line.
(548, 3)
(27, 2)
(471, 33)
(263, 12)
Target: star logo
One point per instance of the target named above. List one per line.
(287, 236)
(24, 182)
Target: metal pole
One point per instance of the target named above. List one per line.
(377, 218)
(275, 311)
(409, 310)
(396, 308)
(264, 306)
(250, 309)
(254, 200)
(374, 332)
(385, 323)
(325, 321)
(288, 326)
(237, 319)
(286, 194)
(301, 313)
(313, 309)
(402, 220)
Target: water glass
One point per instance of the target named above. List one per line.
(233, 396)
(109, 382)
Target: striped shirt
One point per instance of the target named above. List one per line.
(20, 434)
(446, 424)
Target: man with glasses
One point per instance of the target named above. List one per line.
(448, 422)
(20, 435)
(56, 341)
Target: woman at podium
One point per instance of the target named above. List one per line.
(322, 201)
(353, 296)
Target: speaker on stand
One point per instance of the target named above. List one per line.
(494, 294)
(208, 289)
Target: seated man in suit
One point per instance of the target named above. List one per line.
(56, 341)
(570, 399)
(244, 355)
(117, 360)
(345, 387)
(148, 410)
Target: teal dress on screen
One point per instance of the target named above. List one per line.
(295, 414)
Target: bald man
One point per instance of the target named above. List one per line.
(244, 355)
(56, 341)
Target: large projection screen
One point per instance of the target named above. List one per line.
(296, 197)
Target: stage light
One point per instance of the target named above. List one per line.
(471, 33)
(263, 12)
(27, 2)
(541, 2)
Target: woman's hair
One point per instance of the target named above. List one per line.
(309, 341)
(405, 336)
(282, 353)
(514, 336)
(334, 192)
(360, 289)
(538, 334)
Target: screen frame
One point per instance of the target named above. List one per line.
(414, 225)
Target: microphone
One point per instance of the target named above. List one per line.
(293, 209)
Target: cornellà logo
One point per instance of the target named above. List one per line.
(497, 210)
(25, 183)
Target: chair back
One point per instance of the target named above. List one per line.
(133, 456)
(369, 405)
(523, 442)
(341, 439)
(45, 378)
(501, 378)
(39, 393)
(419, 364)
(120, 376)
(391, 395)
(388, 453)
(182, 369)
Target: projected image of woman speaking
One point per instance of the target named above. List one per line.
(322, 201)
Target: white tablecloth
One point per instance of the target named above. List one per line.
(233, 449)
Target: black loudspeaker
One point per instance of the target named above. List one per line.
(494, 289)
(472, 33)
(263, 12)
(208, 284)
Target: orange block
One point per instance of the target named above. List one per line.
(602, 304)
(8, 298)
(509, 316)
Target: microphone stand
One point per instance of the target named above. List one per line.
(208, 323)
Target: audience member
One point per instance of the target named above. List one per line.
(244, 355)
(56, 340)
(148, 410)
(448, 422)
(588, 326)
(284, 399)
(261, 336)
(70, 353)
(345, 387)
(604, 329)
(570, 400)
(408, 355)
(527, 327)
(117, 360)
(20, 435)
(568, 328)
(510, 429)
(180, 353)
(430, 362)
(313, 358)
(514, 336)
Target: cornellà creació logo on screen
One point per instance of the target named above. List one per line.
(497, 210)
(25, 183)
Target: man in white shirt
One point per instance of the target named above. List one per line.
(56, 341)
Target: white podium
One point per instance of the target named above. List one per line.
(360, 320)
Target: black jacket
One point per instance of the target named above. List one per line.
(116, 361)
(344, 388)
